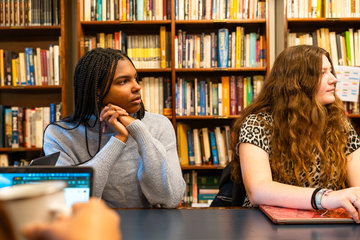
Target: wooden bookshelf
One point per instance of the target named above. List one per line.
(306, 25)
(243, 69)
(16, 39)
(86, 28)
(202, 167)
(192, 26)
(21, 149)
(259, 26)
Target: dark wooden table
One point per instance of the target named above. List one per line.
(224, 224)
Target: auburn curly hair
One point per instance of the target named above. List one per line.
(302, 127)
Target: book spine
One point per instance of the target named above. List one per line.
(15, 129)
(214, 151)
(206, 146)
(225, 81)
(2, 125)
(139, 10)
(190, 138)
(233, 95)
(202, 98)
(223, 43)
(8, 68)
(8, 127)
(215, 99)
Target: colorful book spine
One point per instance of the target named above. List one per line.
(7, 127)
(190, 138)
(29, 61)
(225, 81)
(15, 130)
(214, 151)
(252, 49)
(2, 126)
(52, 112)
(215, 99)
(139, 10)
(223, 43)
(202, 98)
(233, 100)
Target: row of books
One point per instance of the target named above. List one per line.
(226, 96)
(5, 162)
(24, 127)
(34, 67)
(29, 12)
(203, 146)
(156, 94)
(343, 47)
(200, 189)
(146, 51)
(323, 8)
(219, 9)
(222, 49)
(125, 10)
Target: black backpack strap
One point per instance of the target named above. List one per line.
(230, 193)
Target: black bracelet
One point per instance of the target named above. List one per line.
(313, 202)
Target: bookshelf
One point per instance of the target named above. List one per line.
(324, 20)
(46, 31)
(193, 26)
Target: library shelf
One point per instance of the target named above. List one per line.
(202, 167)
(30, 88)
(192, 28)
(206, 117)
(243, 69)
(322, 20)
(153, 70)
(353, 115)
(21, 149)
(107, 23)
(222, 21)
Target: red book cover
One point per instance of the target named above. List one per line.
(280, 215)
(164, 10)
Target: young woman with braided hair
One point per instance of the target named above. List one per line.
(295, 146)
(133, 151)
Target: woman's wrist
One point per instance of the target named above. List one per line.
(324, 196)
(121, 137)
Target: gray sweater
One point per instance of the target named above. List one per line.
(143, 172)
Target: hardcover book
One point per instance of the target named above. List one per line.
(279, 215)
(223, 43)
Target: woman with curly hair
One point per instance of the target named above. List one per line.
(296, 148)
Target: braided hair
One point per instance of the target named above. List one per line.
(93, 77)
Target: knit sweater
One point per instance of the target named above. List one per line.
(143, 172)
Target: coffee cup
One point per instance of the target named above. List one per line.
(29, 203)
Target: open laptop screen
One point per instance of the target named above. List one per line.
(79, 179)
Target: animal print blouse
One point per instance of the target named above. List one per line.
(254, 131)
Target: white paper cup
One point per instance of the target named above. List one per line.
(40, 202)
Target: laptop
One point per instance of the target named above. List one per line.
(79, 179)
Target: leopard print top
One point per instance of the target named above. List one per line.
(254, 131)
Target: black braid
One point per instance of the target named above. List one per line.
(93, 77)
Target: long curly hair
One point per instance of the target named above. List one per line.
(302, 127)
